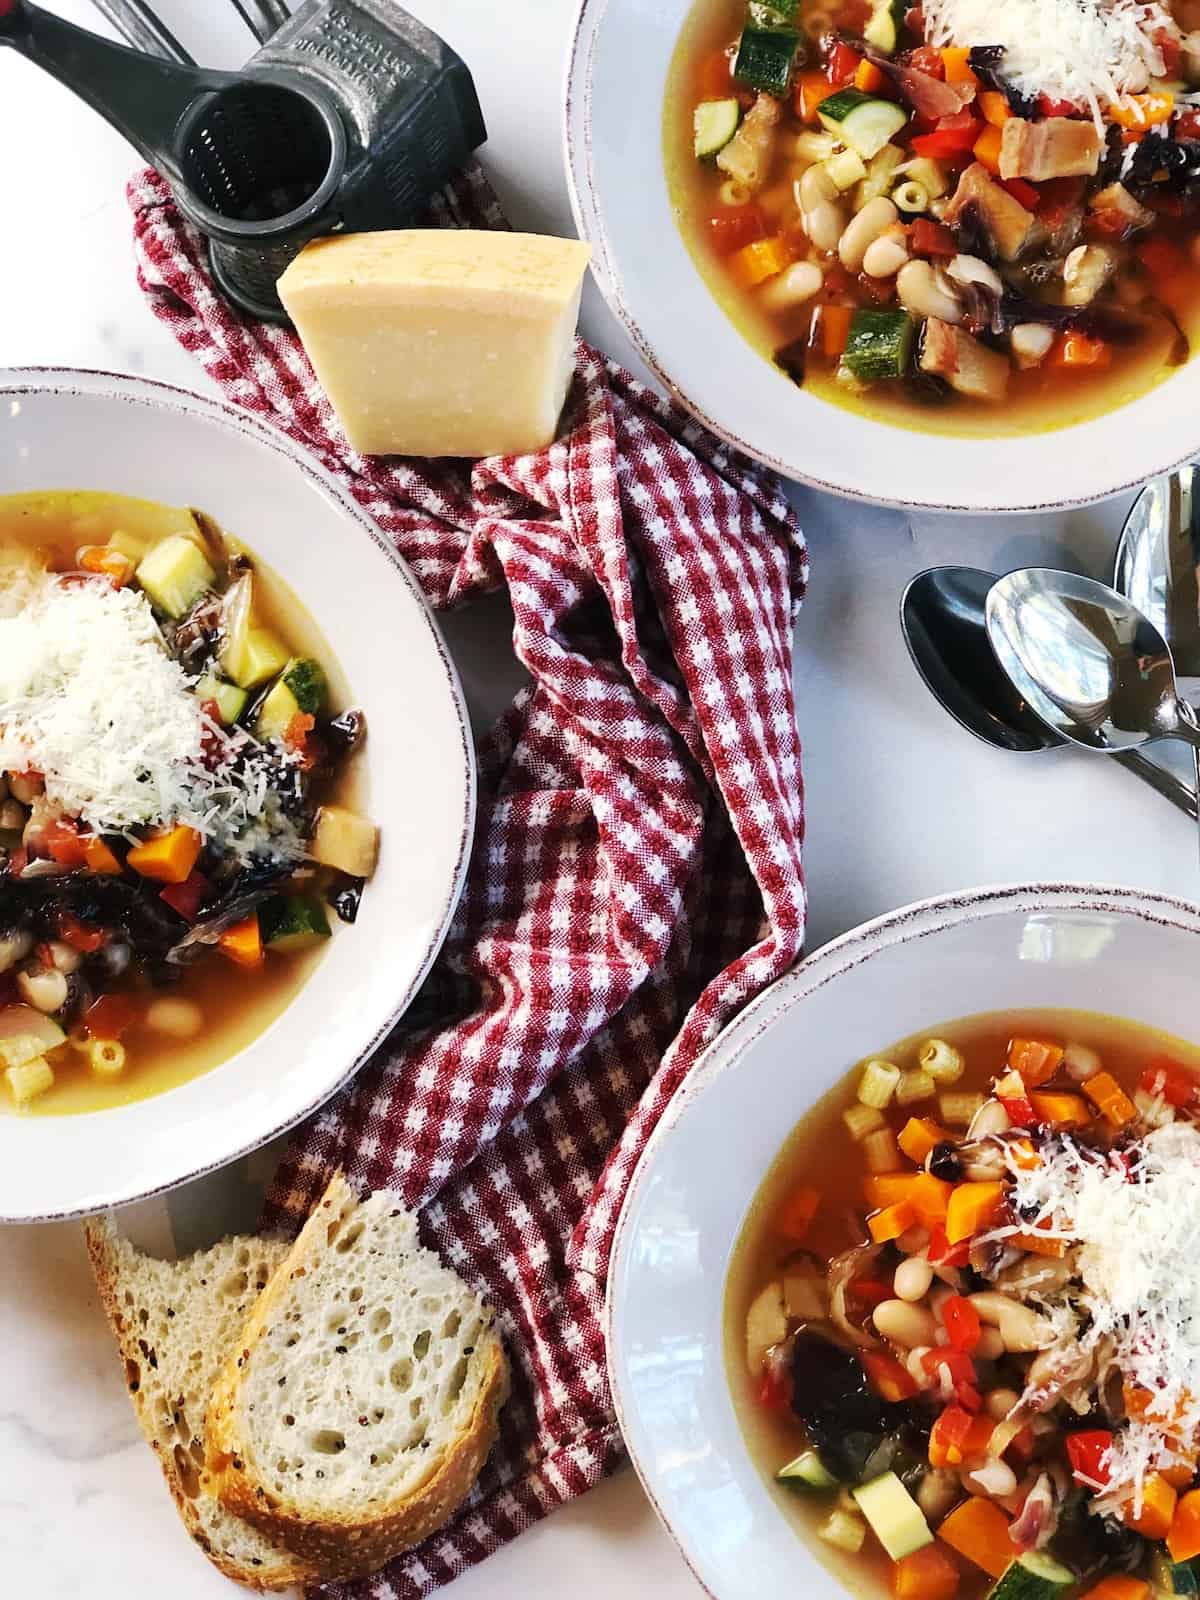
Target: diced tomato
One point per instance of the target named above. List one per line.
(868, 1293)
(111, 1016)
(1057, 198)
(1167, 1080)
(841, 65)
(734, 226)
(1020, 1111)
(1049, 107)
(926, 59)
(888, 1376)
(961, 1321)
(1171, 48)
(956, 1364)
(1088, 1453)
(61, 842)
(78, 934)
(968, 1397)
(714, 80)
(948, 1437)
(942, 1253)
(811, 88)
(927, 238)
(1024, 193)
(1160, 257)
(187, 897)
(772, 1393)
(953, 136)
(1187, 125)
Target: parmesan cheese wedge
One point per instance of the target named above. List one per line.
(440, 341)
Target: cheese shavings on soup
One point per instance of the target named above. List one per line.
(1131, 1217)
(1087, 52)
(91, 700)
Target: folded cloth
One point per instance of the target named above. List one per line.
(636, 873)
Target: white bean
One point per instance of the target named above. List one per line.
(913, 1278)
(64, 957)
(864, 229)
(971, 269)
(824, 224)
(936, 1493)
(921, 294)
(792, 287)
(1021, 1328)
(181, 1019)
(990, 1477)
(884, 256)
(14, 947)
(990, 1346)
(1081, 1062)
(813, 186)
(45, 989)
(1000, 1402)
(904, 1324)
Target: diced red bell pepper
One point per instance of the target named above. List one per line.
(78, 934)
(927, 239)
(1168, 1080)
(1171, 49)
(867, 1293)
(948, 1438)
(841, 65)
(1187, 125)
(889, 1377)
(187, 897)
(771, 1393)
(961, 1322)
(61, 842)
(968, 1397)
(1022, 192)
(1020, 1111)
(941, 1253)
(953, 136)
(1048, 106)
(734, 226)
(111, 1016)
(1089, 1453)
(956, 1363)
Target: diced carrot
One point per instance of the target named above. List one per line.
(1063, 1110)
(167, 857)
(927, 1574)
(1118, 1587)
(1076, 350)
(972, 1208)
(930, 1199)
(243, 943)
(1037, 1244)
(1158, 1508)
(106, 563)
(987, 148)
(98, 858)
(994, 106)
(1109, 1099)
(811, 88)
(1025, 1157)
(714, 81)
(889, 1377)
(978, 1529)
(888, 1188)
(919, 1136)
(1036, 1060)
(891, 1222)
(954, 60)
(1141, 111)
(796, 1213)
(831, 329)
(868, 78)
(754, 263)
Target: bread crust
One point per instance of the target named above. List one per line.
(346, 1545)
(292, 1570)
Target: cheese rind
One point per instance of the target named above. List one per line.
(442, 341)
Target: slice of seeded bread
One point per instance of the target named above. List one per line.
(175, 1323)
(363, 1400)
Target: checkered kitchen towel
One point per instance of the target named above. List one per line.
(636, 873)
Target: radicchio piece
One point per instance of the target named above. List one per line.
(928, 96)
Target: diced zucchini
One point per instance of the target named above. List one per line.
(714, 123)
(1174, 1577)
(174, 574)
(765, 58)
(1033, 1577)
(291, 922)
(879, 345)
(24, 1022)
(846, 168)
(276, 712)
(861, 121)
(772, 13)
(884, 24)
(229, 700)
(344, 840)
(306, 680)
(807, 1472)
(894, 1516)
(257, 656)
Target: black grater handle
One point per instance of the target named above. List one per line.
(143, 97)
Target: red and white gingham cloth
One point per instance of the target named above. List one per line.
(636, 871)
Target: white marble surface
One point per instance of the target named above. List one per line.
(900, 803)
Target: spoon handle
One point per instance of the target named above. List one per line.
(1166, 783)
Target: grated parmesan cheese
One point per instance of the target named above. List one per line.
(90, 698)
(1135, 1222)
(1090, 52)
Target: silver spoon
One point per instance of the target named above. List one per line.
(1087, 661)
(943, 621)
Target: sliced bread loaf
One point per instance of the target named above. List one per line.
(175, 1323)
(356, 1413)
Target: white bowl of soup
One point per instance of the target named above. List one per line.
(990, 304)
(237, 790)
(928, 1332)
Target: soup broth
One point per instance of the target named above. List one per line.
(234, 999)
(822, 1159)
(1159, 262)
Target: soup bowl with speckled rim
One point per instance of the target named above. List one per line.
(1115, 951)
(88, 430)
(617, 73)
